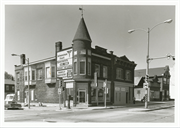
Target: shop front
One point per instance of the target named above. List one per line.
(98, 93)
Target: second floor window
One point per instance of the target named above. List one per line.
(33, 74)
(18, 77)
(52, 72)
(75, 65)
(82, 66)
(105, 71)
(39, 74)
(97, 69)
(48, 72)
(128, 75)
(119, 73)
(25, 76)
(89, 66)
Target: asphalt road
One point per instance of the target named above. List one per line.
(116, 115)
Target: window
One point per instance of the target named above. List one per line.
(75, 65)
(164, 80)
(89, 52)
(82, 66)
(48, 72)
(33, 75)
(39, 74)
(128, 75)
(105, 71)
(53, 72)
(7, 87)
(89, 66)
(83, 51)
(13, 88)
(138, 91)
(18, 77)
(97, 69)
(119, 73)
(75, 52)
(25, 76)
(18, 95)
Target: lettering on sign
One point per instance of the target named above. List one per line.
(123, 89)
(64, 64)
(117, 88)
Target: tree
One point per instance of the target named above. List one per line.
(8, 76)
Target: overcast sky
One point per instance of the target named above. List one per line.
(34, 29)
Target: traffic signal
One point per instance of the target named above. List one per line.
(61, 83)
(23, 58)
(146, 78)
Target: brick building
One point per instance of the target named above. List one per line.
(76, 66)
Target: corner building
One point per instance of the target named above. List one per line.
(76, 65)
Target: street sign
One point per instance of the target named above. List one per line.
(145, 85)
(95, 79)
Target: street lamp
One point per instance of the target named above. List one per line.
(22, 56)
(147, 58)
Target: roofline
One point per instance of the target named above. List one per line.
(39, 61)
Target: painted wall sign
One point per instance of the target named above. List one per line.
(117, 88)
(64, 64)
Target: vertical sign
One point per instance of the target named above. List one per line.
(64, 64)
(95, 79)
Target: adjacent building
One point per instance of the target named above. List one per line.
(82, 72)
(159, 83)
(9, 87)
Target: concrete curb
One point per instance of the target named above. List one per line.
(145, 110)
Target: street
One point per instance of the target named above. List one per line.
(116, 115)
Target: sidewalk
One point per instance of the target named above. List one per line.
(138, 107)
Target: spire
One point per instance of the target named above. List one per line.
(82, 32)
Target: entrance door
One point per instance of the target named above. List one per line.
(82, 96)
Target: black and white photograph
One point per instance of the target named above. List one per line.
(85, 64)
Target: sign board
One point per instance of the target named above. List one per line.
(145, 85)
(64, 64)
(95, 79)
(59, 90)
(117, 88)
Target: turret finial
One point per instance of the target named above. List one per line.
(81, 9)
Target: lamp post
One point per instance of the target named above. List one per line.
(147, 57)
(27, 75)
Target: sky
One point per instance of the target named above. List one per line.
(34, 29)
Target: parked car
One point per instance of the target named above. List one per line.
(10, 102)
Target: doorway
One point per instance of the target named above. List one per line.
(82, 96)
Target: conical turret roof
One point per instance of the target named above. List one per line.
(82, 32)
